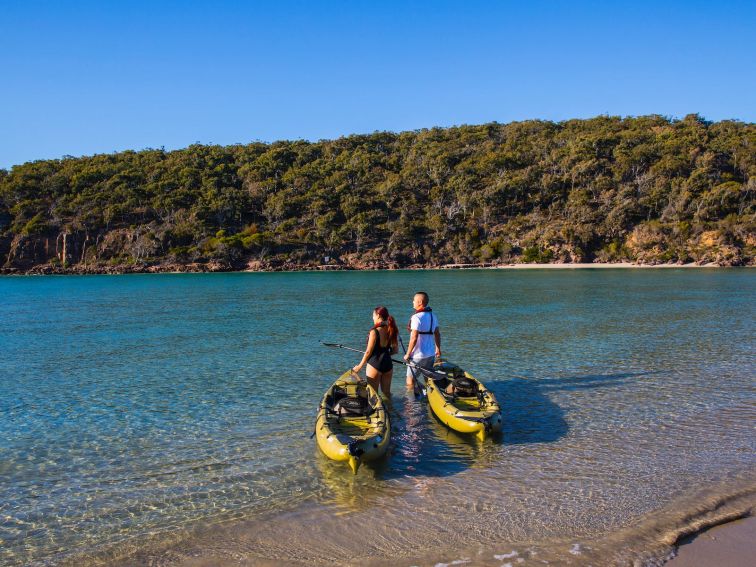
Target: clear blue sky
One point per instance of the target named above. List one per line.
(79, 78)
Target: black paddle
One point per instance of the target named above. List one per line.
(422, 370)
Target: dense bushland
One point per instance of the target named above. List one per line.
(646, 189)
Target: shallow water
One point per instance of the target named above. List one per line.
(172, 414)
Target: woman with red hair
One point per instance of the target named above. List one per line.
(382, 343)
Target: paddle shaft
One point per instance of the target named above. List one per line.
(406, 363)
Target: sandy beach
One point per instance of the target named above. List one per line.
(730, 545)
(346, 266)
(603, 265)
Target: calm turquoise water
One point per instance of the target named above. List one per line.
(143, 409)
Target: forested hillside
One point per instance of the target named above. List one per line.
(646, 190)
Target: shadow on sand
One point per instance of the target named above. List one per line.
(530, 416)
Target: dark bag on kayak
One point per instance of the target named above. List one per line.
(356, 406)
(465, 387)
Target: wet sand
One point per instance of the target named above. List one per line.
(730, 545)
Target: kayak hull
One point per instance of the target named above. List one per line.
(352, 439)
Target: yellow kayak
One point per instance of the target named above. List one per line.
(352, 423)
(462, 402)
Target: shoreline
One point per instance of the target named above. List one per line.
(211, 267)
(715, 527)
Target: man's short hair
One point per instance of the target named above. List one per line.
(424, 296)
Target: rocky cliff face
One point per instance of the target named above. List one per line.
(23, 252)
(124, 251)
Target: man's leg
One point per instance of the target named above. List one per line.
(426, 362)
(410, 377)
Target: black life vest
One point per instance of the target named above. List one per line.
(419, 332)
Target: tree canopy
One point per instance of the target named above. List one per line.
(646, 189)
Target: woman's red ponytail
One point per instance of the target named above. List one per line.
(388, 320)
(393, 330)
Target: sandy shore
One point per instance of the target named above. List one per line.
(601, 265)
(730, 545)
(173, 268)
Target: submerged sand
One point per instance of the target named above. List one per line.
(313, 535)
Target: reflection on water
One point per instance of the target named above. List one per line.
(173, 414)
(416, 450)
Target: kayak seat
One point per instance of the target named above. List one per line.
(442, 383)
(460, 387)
(464, 387)
(345, 405)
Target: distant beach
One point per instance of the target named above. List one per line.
(218, 267)
(602, 265)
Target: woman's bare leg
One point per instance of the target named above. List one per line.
(386, 382)
(373, 377)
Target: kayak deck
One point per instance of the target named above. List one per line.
(355, 427)
(467, 404)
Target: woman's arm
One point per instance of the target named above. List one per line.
(368, 350)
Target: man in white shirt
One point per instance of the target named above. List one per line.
(425, 338)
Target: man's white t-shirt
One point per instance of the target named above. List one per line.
(425, 345)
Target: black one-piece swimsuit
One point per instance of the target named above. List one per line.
(380, 358)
